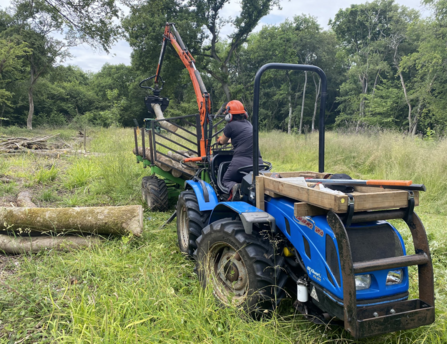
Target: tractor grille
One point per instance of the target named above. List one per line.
(375, 242)
(367, 243)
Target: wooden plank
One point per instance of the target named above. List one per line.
(381, 200)
(389, 199)
(306, 174)
(371, 190)
(272, 194)
(304, 209)
(260, 193)
(314, 197)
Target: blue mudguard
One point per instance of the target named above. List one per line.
(207, 198)
(247, 213)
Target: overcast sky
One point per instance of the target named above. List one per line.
(90, 60)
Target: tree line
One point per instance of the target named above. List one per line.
(386, 65)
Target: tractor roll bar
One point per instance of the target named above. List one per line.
(288, 66)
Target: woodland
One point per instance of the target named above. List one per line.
(386, 64)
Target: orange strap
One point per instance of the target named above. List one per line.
(196, 159)
(389, 182)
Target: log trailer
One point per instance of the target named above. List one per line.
(334, 252)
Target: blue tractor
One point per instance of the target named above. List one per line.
(333, 252)
(345, 264)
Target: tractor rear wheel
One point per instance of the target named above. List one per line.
(190, 221)
(155, 193)
(243, 269)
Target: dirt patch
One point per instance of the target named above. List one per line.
(8, 266)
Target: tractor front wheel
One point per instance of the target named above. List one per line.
(243, 269)
(190, 221)
(155, 193)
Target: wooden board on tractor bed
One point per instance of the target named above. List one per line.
(315, 202)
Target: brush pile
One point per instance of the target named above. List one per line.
(35, 145)
(24, 143)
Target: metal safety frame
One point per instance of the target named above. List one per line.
(363, 321)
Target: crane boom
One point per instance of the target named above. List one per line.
(203, 98)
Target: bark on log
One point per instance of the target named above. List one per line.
(159, 115)
(95, 220)
(24, 200)
(18, 245)
(179, 158)
(164, 163)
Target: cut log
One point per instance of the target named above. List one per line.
(24, 200)
(25, 244)
(179, 158)
(166, 163)
(159, 115)
(94, 220)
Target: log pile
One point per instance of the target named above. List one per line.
(172, 160)
(31, 229)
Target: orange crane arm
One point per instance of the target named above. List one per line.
(202, 96)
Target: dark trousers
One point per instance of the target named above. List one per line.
(232, 176)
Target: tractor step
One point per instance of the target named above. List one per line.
(391, 263)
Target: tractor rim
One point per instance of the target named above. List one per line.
(228, 274)
(184, 227)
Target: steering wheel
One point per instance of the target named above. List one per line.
(151, 88)
(266, 166)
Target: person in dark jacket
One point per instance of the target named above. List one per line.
(240, 131)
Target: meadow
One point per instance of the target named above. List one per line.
(143, 290)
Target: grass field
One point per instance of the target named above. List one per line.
(143, 290)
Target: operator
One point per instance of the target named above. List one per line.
(240, 131)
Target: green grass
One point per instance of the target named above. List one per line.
(143, 290)
(45, 175)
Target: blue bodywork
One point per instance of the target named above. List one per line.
(197, 188)
(226, 209)
(315, 229)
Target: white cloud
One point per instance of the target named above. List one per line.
(91, 60)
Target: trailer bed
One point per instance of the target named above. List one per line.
(315, 202)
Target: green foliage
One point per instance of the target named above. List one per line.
(12, 53)
(385, 65)
(45, 175)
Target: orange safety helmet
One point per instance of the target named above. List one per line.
(235, 107)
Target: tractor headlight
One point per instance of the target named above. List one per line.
(395, 277)
(362, 282)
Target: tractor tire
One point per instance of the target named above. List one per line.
(190, 221)
(243, 269)
(155, 193)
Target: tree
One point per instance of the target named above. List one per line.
(36, 22)
(12, 54)
(428, 64)
(217, 57)
(373, 36)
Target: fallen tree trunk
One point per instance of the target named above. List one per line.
(18, 245)
(94, 220)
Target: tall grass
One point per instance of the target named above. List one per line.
(143, 290)
(385, 155)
